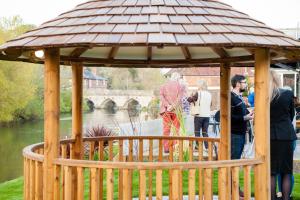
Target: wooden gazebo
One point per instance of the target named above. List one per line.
(147, 33)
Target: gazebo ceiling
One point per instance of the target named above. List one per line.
(152, 33)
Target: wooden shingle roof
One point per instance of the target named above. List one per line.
(152, 33)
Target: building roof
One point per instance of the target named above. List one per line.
(151, 33)
(87, 74)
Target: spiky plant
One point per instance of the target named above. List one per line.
(97, 131)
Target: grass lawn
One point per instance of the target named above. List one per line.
(13, 190)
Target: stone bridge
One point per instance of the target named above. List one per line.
(122, 99)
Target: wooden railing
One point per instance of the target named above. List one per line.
(113, 164)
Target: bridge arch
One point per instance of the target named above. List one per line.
(131, 104)
(90, 103)
(109, 104)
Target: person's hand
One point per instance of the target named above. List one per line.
(248, 117)
(169, 108)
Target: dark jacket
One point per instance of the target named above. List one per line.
(282, 113)
(238, 111)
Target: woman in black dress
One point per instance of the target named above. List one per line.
(282, 136)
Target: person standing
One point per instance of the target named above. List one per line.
(251, 97)
(171, 94)
(282, 136)
(201, 102)
(239, 116)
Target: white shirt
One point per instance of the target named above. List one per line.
(205, 102)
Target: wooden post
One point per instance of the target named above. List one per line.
(262, 124)
(77, 150)
(51, 121)
(225, 124)
(77, 71)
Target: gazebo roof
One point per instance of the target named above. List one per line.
(152, 33)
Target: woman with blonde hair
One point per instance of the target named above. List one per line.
(201, 103)
(282, 136)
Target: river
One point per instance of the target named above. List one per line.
(15, 138)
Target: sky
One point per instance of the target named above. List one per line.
(275, 13)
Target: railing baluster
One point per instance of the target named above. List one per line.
(192, 173)
(120, 170)
(92, 150)
(72, 154)
(141, 149)
(63, 155)
(210, 151)
(191, 150)
(222, 183)
(150, 171)
(94, 184)
(110, 184)
(180, 171)
(130, 171)
(110, 150)
(160, 150)
(208, 194)
(130, 150)
(64, 150)
(38, 180)
(56, 190)
(32, 179)
(142, 180)
(80, 183)
(200, 174)
(159, 184)
(91, 157)
(235, 183)
(68, 183)
(26, 179)
(247, 182)
(101, 158)
(171, 148)
(126, 185)
(175, 189)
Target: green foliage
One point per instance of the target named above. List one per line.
(153, 108)
(16, 79)
(65, 101)
(16, 87)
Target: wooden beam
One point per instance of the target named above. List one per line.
(221, 52)
(77, 78)
(77, 146)
(250, 51)
(120, 62)
(225, 126)
(262, 124)
(51, 121)
(113, 52)
(149, 53)
(78, 52)
(186, 53)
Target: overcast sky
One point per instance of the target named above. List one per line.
(275, 13)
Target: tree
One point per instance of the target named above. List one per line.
(16, 79)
